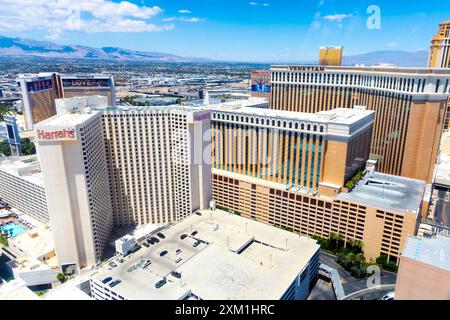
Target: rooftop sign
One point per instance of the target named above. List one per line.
(68, 134)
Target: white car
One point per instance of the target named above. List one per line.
(178, 259)
(388, 296)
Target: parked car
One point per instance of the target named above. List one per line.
(183, 236)
(194, 233)
(388, 296)
(176, 274)
(155, 239)
(163, 253)
(115, 283)
(160, 283)
(178, 251)
(150, 241)
(106, 280)
(145, 244)
(196, 243)
(159, 234)
(120, 260)
(112, 264)
(178, 259)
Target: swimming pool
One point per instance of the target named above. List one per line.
(13, 229)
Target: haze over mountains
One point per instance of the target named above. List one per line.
(24, 48)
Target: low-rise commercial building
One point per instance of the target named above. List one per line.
(214, 255)
(424, 272)
(22, 186)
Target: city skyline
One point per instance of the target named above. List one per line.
(264, 31)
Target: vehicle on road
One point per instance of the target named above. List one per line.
(159, 234)
(196, 243)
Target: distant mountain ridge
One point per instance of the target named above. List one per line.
(17, 47)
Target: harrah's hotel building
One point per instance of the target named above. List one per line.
(409, 104)
(119, 167)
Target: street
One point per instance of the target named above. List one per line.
(349, 283)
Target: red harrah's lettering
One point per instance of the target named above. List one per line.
(56, 135)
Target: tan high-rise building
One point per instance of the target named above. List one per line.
(330, 56)
(39, 92)
(409, 105)
(289, 169)
(89, 85)
(439, 56)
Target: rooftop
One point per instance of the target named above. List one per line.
(27, 168)
(345, 116)
(67, 119)
(239, 258)
(432, 251)
(386, 191)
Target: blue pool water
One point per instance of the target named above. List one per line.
(13, 229)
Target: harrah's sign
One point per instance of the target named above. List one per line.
(64, 134)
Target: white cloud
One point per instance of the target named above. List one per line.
(184, 11)
(337, 17)
(255, 4)
(392, 44)
(193, 19)
(90, 16)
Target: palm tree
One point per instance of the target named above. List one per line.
(333, 240)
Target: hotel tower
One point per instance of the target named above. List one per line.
(409, 105)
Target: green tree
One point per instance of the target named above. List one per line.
(27, 147)
(60, 277)
(4, 148)
(3, 241)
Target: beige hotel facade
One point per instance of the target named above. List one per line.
(288, 169)
(409, 104)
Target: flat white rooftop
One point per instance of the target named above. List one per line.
(432, 251)
(344, 116)
(27, 168)
(68, 119)
(238, 258)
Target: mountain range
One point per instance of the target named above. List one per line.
(24, 48)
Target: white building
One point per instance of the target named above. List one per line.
(236, 258)
(122, 167)
(22, 186)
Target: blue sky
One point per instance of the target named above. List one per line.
(239, 30)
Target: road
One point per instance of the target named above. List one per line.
(349, 283)
(442, 209)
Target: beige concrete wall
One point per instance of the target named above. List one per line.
(420, 281)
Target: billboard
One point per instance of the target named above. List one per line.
(12, 130)
(86, 83)
(260, 81)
